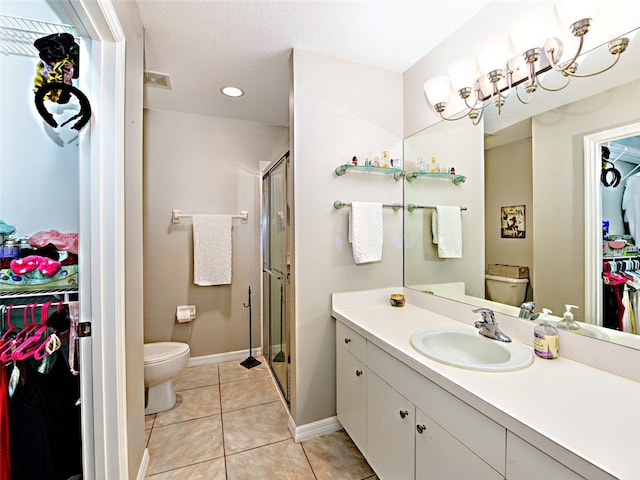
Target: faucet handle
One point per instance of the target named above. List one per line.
(487, 315)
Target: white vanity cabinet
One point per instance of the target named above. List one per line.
(391, 421)
(526, 462)
(351, 385)
(376, 404)
(440, 455)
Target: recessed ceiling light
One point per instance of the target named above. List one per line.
(232, 91)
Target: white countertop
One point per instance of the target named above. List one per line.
(553, 404)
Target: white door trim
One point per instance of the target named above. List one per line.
(593, 216)
(101, 160)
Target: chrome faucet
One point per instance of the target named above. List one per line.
(526, 311)
(488, 325)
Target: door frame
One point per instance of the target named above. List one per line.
(593, 216)
(101, 192)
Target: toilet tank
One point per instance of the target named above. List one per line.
(510, 291)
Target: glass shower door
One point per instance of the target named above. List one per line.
(275, 270)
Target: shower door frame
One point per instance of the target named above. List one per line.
(280, 276)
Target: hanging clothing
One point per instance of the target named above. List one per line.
(631, 206)
(45, 429)
(5, 454)
(612, 306)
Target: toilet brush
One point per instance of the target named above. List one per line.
(250, 361)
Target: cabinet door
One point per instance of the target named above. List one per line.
(390, 427)
(440, 456)
(351, 396)
(526, 462)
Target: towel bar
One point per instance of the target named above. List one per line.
(411, 207)
(176, 215)
(338, 204)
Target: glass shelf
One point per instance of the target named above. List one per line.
(456, 179)
(397, 172)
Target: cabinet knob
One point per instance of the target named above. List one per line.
(403, 413)
(347, 340)
(358, 373)
(421, 428)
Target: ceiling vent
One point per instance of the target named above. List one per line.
(158, 80)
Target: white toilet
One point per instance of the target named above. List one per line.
(510, 291)
(163, 361)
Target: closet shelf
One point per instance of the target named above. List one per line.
(37, 293)
(18, 34)
(397, 172)
(456, 179)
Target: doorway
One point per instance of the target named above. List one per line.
(276, 269)
(599, 204)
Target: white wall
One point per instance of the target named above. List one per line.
(340, 109)
(39, 189)
(454, 144)
(202, 164)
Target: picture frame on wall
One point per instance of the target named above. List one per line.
(512, 221)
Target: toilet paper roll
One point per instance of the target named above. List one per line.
(185, 313)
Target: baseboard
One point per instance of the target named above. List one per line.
(223, 357)
(144, 465)
(314, 429)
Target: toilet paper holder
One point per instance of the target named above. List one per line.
(185, 313)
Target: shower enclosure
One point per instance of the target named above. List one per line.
(275, 258)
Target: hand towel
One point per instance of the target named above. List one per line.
(212, 250)
(447, 231)
(365, 231)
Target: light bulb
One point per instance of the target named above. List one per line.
(437, 90)
(463, 73)
(529, 31)
(573, 11)
(493, 54)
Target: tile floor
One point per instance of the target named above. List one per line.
(230, 424)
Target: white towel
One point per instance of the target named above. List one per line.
(365, 231)
(446, 226)
(211, 250)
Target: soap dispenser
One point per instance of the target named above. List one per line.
(567, 322)
(545, 337)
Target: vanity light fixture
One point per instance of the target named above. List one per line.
(516, 62)
(232, 91)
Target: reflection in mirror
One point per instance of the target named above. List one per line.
(538, 163)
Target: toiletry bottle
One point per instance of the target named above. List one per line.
(567, 322)
(545, 337)
(385, 159)
(422, 165)
(434, 167)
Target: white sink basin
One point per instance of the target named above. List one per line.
(468, 349)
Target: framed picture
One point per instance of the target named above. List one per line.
(512, 223)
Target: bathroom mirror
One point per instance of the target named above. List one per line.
(551, 186)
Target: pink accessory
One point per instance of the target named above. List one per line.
(25, 265)
(62, 241)
(46, 266)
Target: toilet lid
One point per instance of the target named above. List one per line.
(162, 351)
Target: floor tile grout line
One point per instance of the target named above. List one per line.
(251, 406)
(186, 466)
(304, 451)
(195, 388)
(178, 422)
